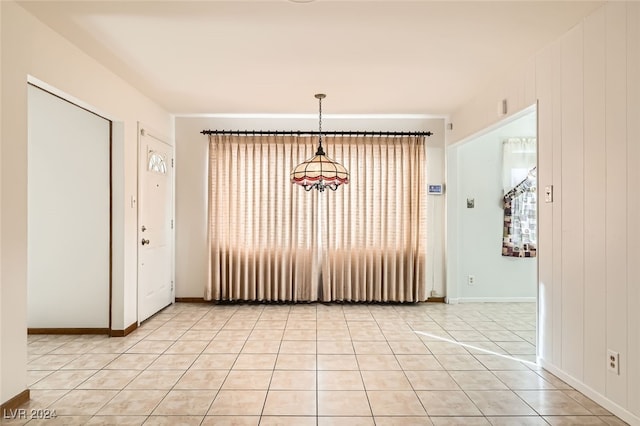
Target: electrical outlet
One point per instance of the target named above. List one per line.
(471, 279)
(613, 362)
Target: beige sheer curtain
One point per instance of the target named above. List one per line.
(375, 227)
(262, 238)
(271, 240)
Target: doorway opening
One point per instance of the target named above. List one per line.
(492, 224)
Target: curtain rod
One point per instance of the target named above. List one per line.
(311, 133)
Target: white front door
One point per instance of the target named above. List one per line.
(155, 223)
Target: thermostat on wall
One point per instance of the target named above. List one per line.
(436, 189)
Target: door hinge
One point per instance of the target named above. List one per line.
(172, 162)
(171, 285)
(171, 223)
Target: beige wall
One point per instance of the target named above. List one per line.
(191, 190)
(587, 85)
(29, 48)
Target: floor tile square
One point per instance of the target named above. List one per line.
(182, 347)
(334, 335)
(459, 420)
(158, 380)
(378, 362)
(296, 334)
(296, 362)
(261, 347)
(446, 348)
(337, 362)
(231, 421)
(200, 379)
(385, 380)
(298, 347)
(431, 380)
(459, 362)
(343, 403)
(345, 421)
(290, 403)
(255, 362)
(517, 421)
(205, 335)
(116, 420)
(447, 403)
(372, 348)
(214, 362)
(266, 335)
(133, 402)
(132, 362)
(574, 420)
(150, 347)
(64, 379)
(340, 380)
(82, 402)
(409, 348)
(477, 380)
(287, 421)
(247, 380)
(500, 403)
(496, 362)
(173, 362)
(238, 403)
(293, 380)
(224, 347)
(335, 347)
(109, 379)
(418, 362)
(523, 380)
(90, 362)
(185, 403)
(403, 421)
(553, 403)
(396, 403)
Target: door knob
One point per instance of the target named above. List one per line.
(144, 241)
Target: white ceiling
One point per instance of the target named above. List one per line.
(370, 57)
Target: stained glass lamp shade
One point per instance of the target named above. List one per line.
(320, 171)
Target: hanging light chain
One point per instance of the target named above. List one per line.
(320, 97)
(320, 121)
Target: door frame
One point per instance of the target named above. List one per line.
(144, 130)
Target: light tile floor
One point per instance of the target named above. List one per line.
(308, 364)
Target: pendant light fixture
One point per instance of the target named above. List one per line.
(320, 171)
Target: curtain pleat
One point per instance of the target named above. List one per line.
(261, 229)
(376, 239)
(271, 240)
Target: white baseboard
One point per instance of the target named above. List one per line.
(619, 411)
(451, 300)
(495, 299)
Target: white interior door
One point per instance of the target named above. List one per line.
(155, 223)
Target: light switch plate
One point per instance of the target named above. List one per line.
(548, 194)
